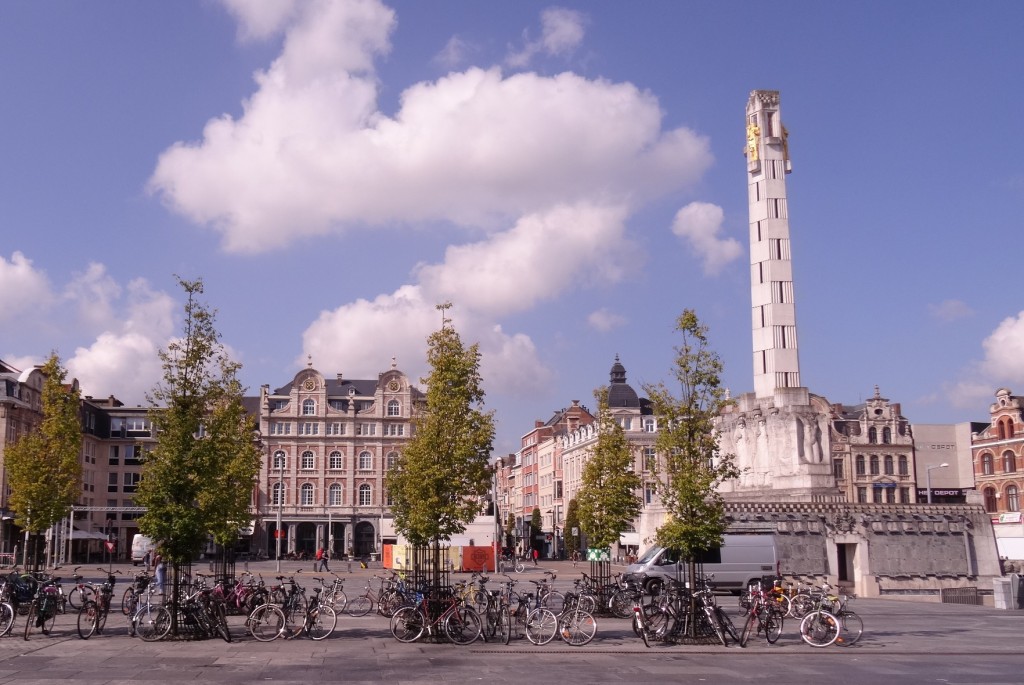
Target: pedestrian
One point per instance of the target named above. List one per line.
(575, 557)
(536, 555)
(161, 571)
(325, 556)
(145, 560)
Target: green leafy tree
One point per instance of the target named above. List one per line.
(608, 501)
(572, 520)
(536, 527)
(689, 466)
(445, 468)
(43, 468)
(197, 480)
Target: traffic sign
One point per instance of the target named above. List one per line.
(599, 554)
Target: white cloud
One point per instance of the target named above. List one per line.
(1004, 351)
(124, 365)
(542, 256)
(312, 153)
(453, 53)
(604, 320)
(699, 223)
(259, 18)
(31, 286)
(93, 292)
(950, 310)
(562, 32)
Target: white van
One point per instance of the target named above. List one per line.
(140, 545)
(740, 560)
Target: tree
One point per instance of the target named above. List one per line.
(608, 501)
(536, 527)
(43, 469)
(510, 529)
(445, 468)
(572, 520)
(689, 466)
(197, 481)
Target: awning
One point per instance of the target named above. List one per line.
(77, 534)
(629, 539)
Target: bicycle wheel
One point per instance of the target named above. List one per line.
(321, 622)
(79, 595)
(851, 627)
(801, 605)
(748, 628)
(7, 614)
(88, 620)
(152, 623)
(641, 629)
(716, 626)
(588, 603)
(480, 601)
(359, 606)
(727, 624)
(819, 629)
(407, 624)
(463, 625)
(621, 604)
(541, 626)
(219, 618)
(129, 602)
(338, 600)
(503, 625)
(577, 628)
(773, 626)
(33, 608)
(784, 604)
(266, 623)
(520, 567)
(555, 601)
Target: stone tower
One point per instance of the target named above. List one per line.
(776, 362)
(779, 434)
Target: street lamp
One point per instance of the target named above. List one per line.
(928, 477)
(280, 507)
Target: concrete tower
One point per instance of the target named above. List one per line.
(776, 362)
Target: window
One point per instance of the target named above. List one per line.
(649, 491)
(395, 429)
(1009, 464)
(309, 428)
(308, 408)
(990, 500)
(392, 460)
(874, 466)
(365, 461)
(306, 494)
(394, 408)
(279, 460)
(308, 461)
(336, 495)
(280, 428)
(650, 425)
(276, 498)
(904, 468)
(905, 495)
(1012, 498)
(860, 465)
(131, 481)
(115, 456)
(133, 455)
(862, 495)
(650, 459)
(112, 482)
(837, 469)
(872, 435)
(888, 465)
(890, 495)
(336, 460)
(338, 405)
(876, 495)
(335, 429)
(886, 435)
(365, 495)
(986, 465)
(366, 429)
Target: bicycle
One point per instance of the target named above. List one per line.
(361, 605)
(510, 563)
(576, 626)
(92, 616)
(851, 627)
(820, 628)
(82, 592)
(43, 610)
(130, 598)
(766, 614)
(319, 620)
(455, 620)
(290, 597)
(151, 622)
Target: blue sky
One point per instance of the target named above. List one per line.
(570, 176)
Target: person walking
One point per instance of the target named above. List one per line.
(536, 555)
(325, 556)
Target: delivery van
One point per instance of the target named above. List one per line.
(740, 560)
(140, 545)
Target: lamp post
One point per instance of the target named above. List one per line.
(928, 477)
(280, 507)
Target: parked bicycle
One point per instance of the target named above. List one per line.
(44, 607)
(438, 613)
(92, 616)
(82, 591)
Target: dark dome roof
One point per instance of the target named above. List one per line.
(620, 393)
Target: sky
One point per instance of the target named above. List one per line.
(570, 177)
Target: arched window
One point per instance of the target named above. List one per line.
(888, 465)
(336, 495)
(872, 435)
(1009, 427)
(886, 435)
(308, 461)
(990, 500)
(650, 425)
(392, 460)
(336, 460)
(365, 461)
(1009, 463)
(307, 494)
(365, 495)
(874, 466)
(394, 408)
(278, 491)
(904, 467)
(986, 465)
(860, 465)
(1012, 498)
(308, 408)
(279, 460)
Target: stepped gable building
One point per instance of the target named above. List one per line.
(328, 444)
(997, 456)
(834, 484)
